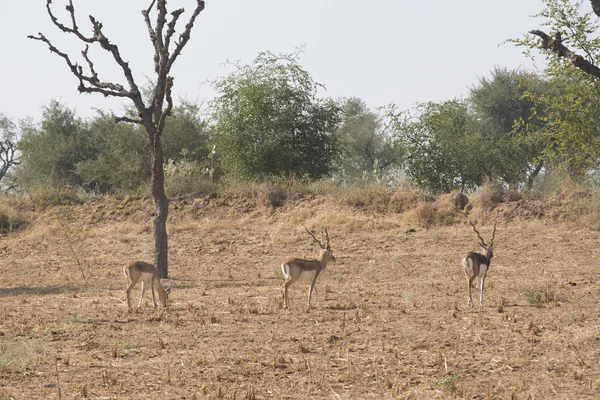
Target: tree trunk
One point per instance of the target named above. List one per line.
(162, 210)
(152, 117)
(534, 175)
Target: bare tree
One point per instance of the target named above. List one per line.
(9, 156)
(151, 113)
(8, 159)
(556, 46)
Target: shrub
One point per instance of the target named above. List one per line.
(46, 195)
(491, 194)
(402, 201)
(186, 178)
(11, 219)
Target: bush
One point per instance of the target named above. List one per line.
(491, 194)
(591, 214)
(271, 196)
(402, 201)
(186, 178)
(46, 195)
(11, 219)
(374, 198)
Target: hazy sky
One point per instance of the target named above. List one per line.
(382, 51)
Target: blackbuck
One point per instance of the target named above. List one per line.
(146, 273)
(298, 269)
(476, 265)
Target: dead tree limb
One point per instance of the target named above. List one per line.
(556, 46)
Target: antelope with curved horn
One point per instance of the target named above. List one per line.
(298, 269)
(146, 273)
(476, 265)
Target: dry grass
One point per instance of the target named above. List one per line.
(393, 323)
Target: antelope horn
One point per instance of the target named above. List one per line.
(493, 233)
(327, 238)
(316, 240)
(478, 235)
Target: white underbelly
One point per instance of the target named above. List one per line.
(146, 277)
(304, 275)
(307, 275)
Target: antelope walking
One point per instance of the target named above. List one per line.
(298, 269)
(476, 265)
(146, 273)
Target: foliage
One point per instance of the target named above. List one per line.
(268, 120)
(500, 103)
(187, 177)
(186, 134)
(9, 155)
(101, 154)
(367, 149)
(121, 159)
(445, 150)
(570, 132)
(11, 219)
(52, 150)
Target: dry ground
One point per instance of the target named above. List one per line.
(393, 322)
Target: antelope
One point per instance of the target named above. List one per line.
(476, 265)
(146, 273)
(298, 269)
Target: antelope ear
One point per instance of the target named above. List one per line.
(169, 288)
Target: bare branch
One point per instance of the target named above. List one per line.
(107, 89)
(185, 36)
(131, 120)
(8, 157)
(93, 80)
(134, 92)
(74, 30)
(84, 53)
(71, 11)
(555, 46)
(152, 34)
(596, 7)
(12, 185)
(171, 28)
(161, 19)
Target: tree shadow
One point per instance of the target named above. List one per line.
(37, 290)
(342, 307)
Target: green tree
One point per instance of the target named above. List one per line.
(500, 104)
(366, 146)
(570, 134)
(122, 159)
(186, 134)
(268, 120)
(9, 156)
(444, 148)
(52, 150)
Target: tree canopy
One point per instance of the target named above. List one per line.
(268, 120)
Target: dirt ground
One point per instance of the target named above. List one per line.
(393, 321)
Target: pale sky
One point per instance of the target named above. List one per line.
(382, 51)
